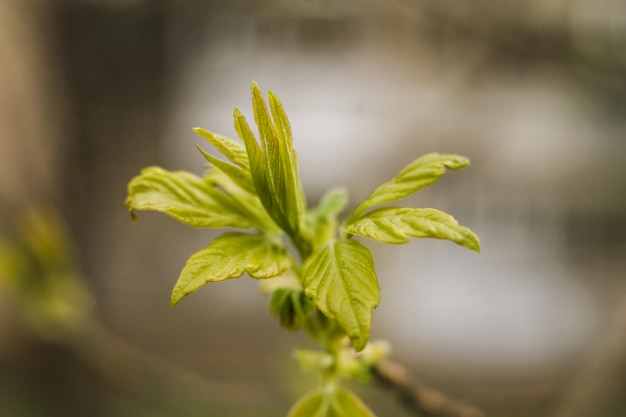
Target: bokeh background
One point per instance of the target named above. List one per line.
(533, 91)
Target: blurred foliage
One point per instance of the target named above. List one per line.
(39, 273)
(38, 270)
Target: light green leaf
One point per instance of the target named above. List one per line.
(246, 201)
(398, 225)
(273, 165)
(341, 280)
(234, 151)
(238, 174)
(185, 197)
(287, 154)
(229, 256)
(330, 402)
(415, 176)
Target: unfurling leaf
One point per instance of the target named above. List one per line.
(233, 150)
(238, 174)
(291, 306)
(330, 402)
(398, 225)
(185, 197)
(340, 279)
(229, 256)
(273, 164)
(415, 176)
(247, 202)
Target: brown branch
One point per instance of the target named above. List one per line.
(419, 399)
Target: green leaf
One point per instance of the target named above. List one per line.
(185, 197)
(287, 153)
(291, 306)
(398, 225)
(415, 176)
(330, 402)
(273, 165)
(229, 256)
(238, 174)
(234, 151)
(340, 279)
(246, 201)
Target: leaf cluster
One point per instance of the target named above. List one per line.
(255, 189)
(258, 191)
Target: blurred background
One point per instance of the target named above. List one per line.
(533, 91)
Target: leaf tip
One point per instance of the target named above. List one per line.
(131, 210)
(476, 246)
(254, 87)
(175, 298)
(359, 344)
(458, 162)
(203, 132)
(471, 242)
(273, 98)
(203, 152)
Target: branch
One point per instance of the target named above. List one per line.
(419, 399)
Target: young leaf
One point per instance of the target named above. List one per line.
(287, 151)
(415, 176)
(234, 151)
(398, 225)
(291, 306)
(246, 201)
(273, 165)
(341, 280)
(238, 174)
(229, 256)
(185, 197)
(333, 402)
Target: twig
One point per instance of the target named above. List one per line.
(418, 398)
